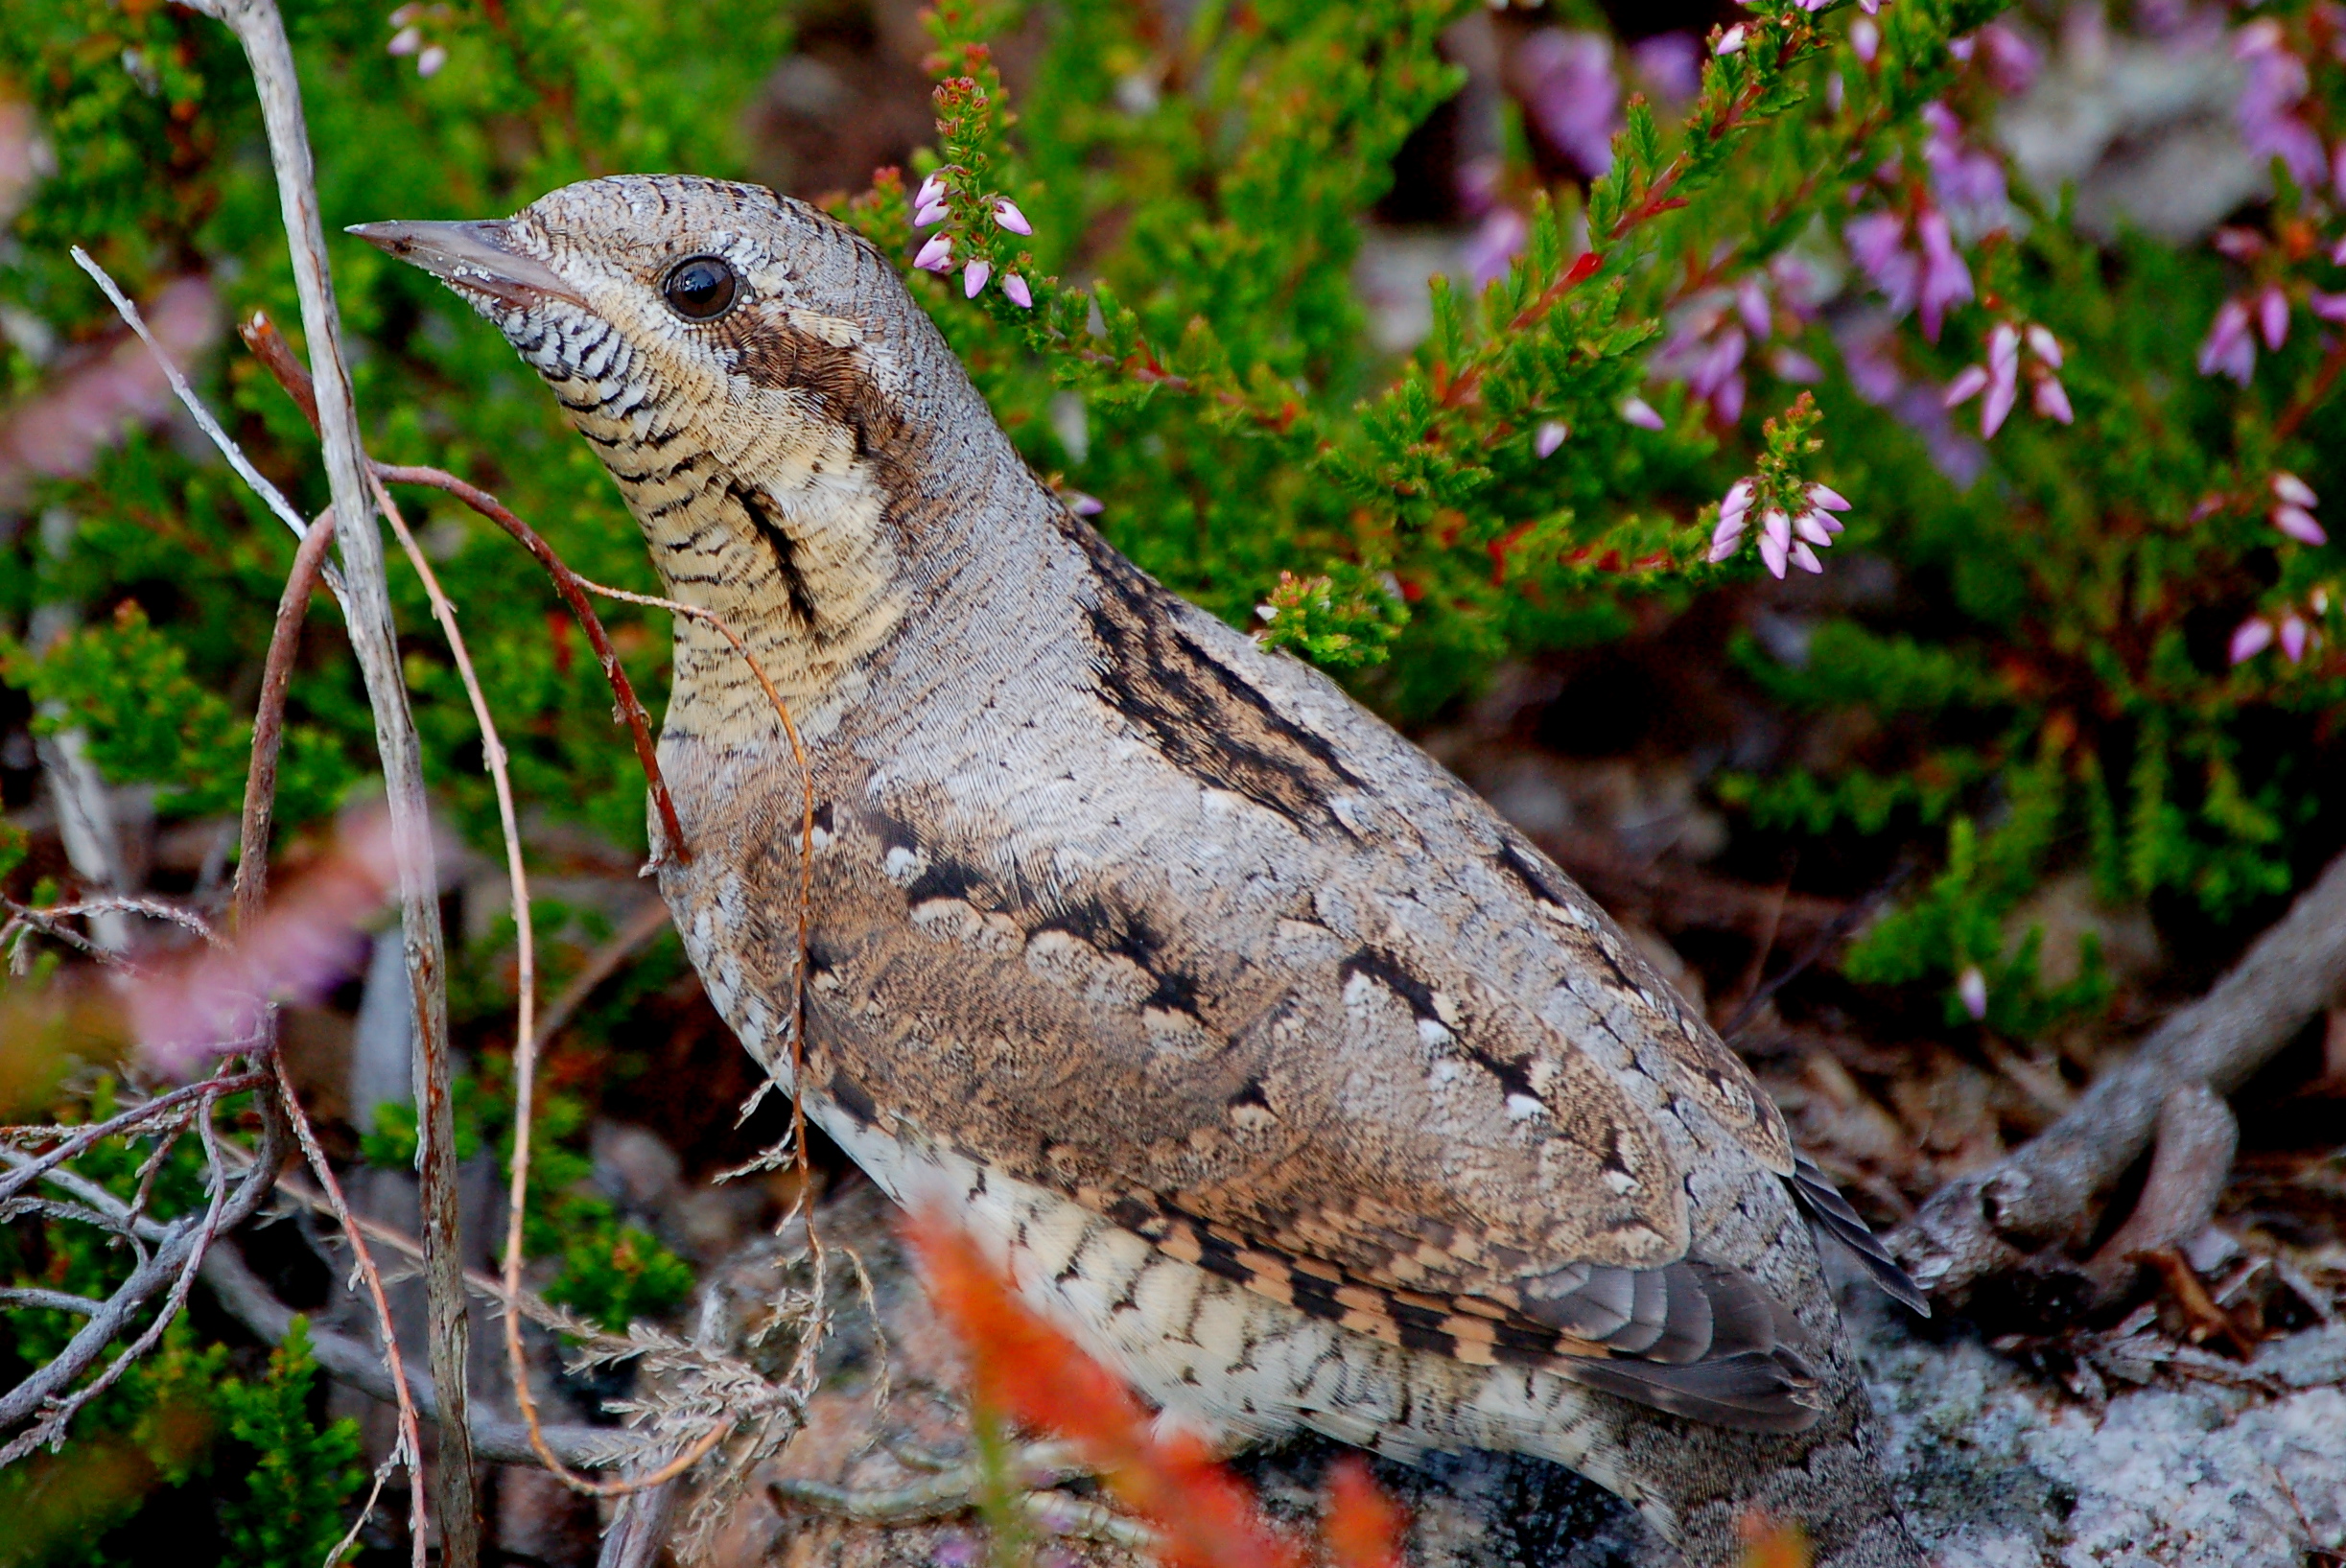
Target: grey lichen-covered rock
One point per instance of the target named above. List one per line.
(2000, 1468)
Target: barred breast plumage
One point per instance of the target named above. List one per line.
(1272, 1063)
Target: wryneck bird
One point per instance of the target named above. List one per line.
(1263, 1055)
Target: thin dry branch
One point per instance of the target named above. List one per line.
(260, 31)
(251, 883)
(49, 1396)
(2045, 1193)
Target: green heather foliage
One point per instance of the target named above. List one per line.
(2097, 650)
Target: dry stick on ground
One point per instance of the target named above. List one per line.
(2043, 1193)
(260, 31)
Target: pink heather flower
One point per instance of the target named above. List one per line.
(1866, 40)
(1737, 501)
(931, 190)
(1668, 65)
(1965, 178)
(2273, 316)
(1967, 384)
(974, 277)
(1637, 410)
(1494, 245)
(2268, 110)
(2001, 395)
(1877, 243)
(1773, 554)
(1549, 436)
(1971, 990)
(2337, 254)
(1572, 93)
(428, 63)
(1775, 526)
(1725, 538)
(1084, 505)
(2328, 307)
(1945, 279)
(2045, 346)
(2002, 353)
(2293, 638)
(1006, 212)
(2010, 62)
(937, 255)
(2337, 170)
(407, 41)
(1751, 304)
(936, 212)
(2299, 525)
(2229, 350)
(2252, 637)
(1825, 498)
(1811, 526)
(2294, 490)
(1732, 42)
(1804, 558)
(1015, 286)
(2052, 399)
(1792, 365)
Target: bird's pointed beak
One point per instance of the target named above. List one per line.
(477, 258)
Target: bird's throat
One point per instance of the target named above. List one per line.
(781, 532)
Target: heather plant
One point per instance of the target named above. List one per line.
(1735, 309)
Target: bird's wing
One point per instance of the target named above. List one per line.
(1205, 979)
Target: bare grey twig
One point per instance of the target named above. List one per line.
(2044, 1193)
(260, 31)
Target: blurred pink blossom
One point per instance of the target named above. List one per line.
(90, 400)
(1573, 94)
(309, 940)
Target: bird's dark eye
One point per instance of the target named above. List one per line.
(701, 289)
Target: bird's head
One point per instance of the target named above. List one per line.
(638, 295)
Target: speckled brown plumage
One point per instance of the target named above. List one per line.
(1269, 1059)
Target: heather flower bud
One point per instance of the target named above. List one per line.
(1773, 554)
(974, 277)
(2052, 399)
(1006, 212)
(1804, 558)
(1732, 42)
(2299, 525)
(1811, 526)
(1084, 505)
(2293, 639)
(936, 212)
(1725, 538)
(2045, 346)
(1736, 502)
(428, 63)
(931, 190)
(936, 256)
(1549, 436)
(1641, 413)
(1825, 498)
(1966, 386)
(2252, 637)
(1971, 990)
(2294, 490)
(1015, 286)
(407, 42)
(2002, 353)
(1776, 529)
(2001, 395)
(2273, 316)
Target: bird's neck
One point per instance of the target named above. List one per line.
(810, 547)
